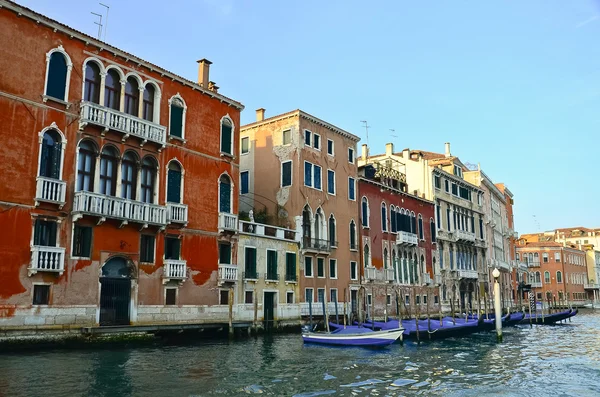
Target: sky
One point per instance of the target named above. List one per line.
(512, 85)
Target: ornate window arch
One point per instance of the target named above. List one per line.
(384, 218)
(58, 74)
(87, 152)
(559, 277)
(148, 180)
(109, 162)
(151, 102)
(366, 256)
(94, 74)
(421, 231)
(113, 87)
(51, 154)
(393, 226)
(227, 133)
(307, 219)
(364, 205)
(353, 237)
(177, 111)
(225, 193)
(175, 180)
(134, 87)
(130, 165)
(332, 231)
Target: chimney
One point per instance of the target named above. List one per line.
(260, 114)
(365, 152)
(213, 87)
(448, 149)
(389, 149)
(203, 67)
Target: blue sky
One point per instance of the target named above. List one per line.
(514, 86)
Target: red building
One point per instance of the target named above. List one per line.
(398, 247)
(117, 185)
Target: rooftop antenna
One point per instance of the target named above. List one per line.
(99, 25)
(106, 20)
(366, 129)
(537, 223)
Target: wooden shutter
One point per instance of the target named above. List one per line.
(226, 138)
(176, 125)
(174, 191)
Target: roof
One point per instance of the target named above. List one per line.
(51, 23)
(540, 244)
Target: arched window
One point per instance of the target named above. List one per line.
(50, 158)
(385, 258)
(365, 212)
(451, 249)
(177, 111)
(227, 136)
(421, 234)
(319, 233)
(395, 264)
(148, 106)
(332, 242)
(393, 218)
(422, 265)
(547, 277)
(400, 220)
(225, 194)
(112, 90)
(538, 277)
(441, 249)
(91, 89)
(132, 96)
(58, 71)
(559, 277)
(108, 171)
(306, 222)
(413, 223)
(174, 179)
(352, 235)
(530, 257)
(432, 230)
(129, 175)
(86, 166)
(148, 181)
(383, 217)
(536, 257)
(366, 255)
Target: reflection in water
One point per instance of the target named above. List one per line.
(560, 360)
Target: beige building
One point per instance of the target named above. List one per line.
(302, 171)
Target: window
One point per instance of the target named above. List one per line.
(320, 267)
(224, 253)
(82, 241)
(418, 299)
(437, 182)
(421, 234)
(557, 256)
(227, 136)
(369, 300)
(332, 241)
(383, 217)
(308, 179)
(432, 230)
(245, 146)
(290, 266)
(41, 294)
(545, 257)
(223, 297)
(351, 189)
(317, 175)
(177, 109)
(112, 90)
(249, 297)
(108, 171)
(366, 256)
(287, 137)
(458, 171)
(286, 173)
(547, 277)
(148, 180)
(50, 157)
(172, 248)
(385, 258)
(321, 294)
(132, 96)
(44, 233)
(455, 189)
(272, 265)
(308, 268)
(308, 295)
(91, 87)
(289, 297)
(352, 235)
(317, 141)
(250, 263)
(559, 277)
(365, 212)
(448, 218)
(330, 147)
(86, 164)
(312, 175)
(333, 295)
(147, 248)
(129, 175)
(351, 155)
(170, 296)
(333, 268)
(307, 138)
(244, 182)
(225, 194)
(446, 186)
(174, 178)
(58, 73)
(330, 181)
(388, 299)
(407, 299)
(464, 193)
(424, 299)
(148, 103)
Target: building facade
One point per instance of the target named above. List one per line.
(127, 181)
(302, 172)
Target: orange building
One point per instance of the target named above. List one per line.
(117, 186)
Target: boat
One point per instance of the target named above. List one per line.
(514, 319)
(354, 336)
(548, 319)
(428, 329)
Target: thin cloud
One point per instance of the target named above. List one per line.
(583, 23)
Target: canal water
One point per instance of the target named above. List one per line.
(545, 360)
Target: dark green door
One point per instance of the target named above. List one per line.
(269, 308)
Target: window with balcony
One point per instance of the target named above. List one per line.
(272, 265)
(112, 90)
(82, 241)
(290, 266)
(58, 72)
(352, 235)
(351, 189)
(225, 188)
(148, 103)
(250, 263)
(86, 164)
(129, 175)
(147, 243)
(245, 145)
(147, 184)
(44, 233)
(244, 182)
(177, 110)
(286, 173)
(320, 225)
(330, 181)
(332, 240)
(308, 267)
(320, 267)
(224, 253)
(174, 182)
(227, 136)
(172, 248)
(132, 96)
(353, 270)
(92, 84)
(51, 155)
(41, 294)
(384, 217)
(365, 212)
(109, 159)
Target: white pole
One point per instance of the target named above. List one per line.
(497, 305)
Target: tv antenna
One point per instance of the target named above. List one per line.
(106, 20)
(99, 25)
(366, 129)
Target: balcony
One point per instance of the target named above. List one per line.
(464, 273)
(316, 245)
(370, 274)
(260, 229)
(125, 210)
(533, 264)
(174, 269)
(536, 284)
(227, 274)
(124, 123)
(499, 264)
(406, 238)
(47, 259)
(591, 286)
(464, 236)
(389, 274)
(252, 275)
(177, 213)
(50, 190)
(426, 278)
(271, 277)
(520, 265)
(437, 279)
(227, 222)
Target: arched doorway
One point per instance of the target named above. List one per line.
(115, 292)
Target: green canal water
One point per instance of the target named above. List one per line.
(542, 361)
